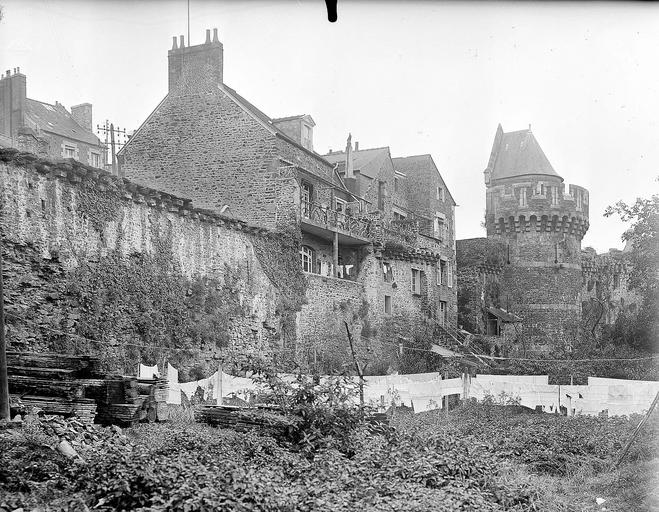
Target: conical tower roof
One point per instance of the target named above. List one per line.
(518, 154)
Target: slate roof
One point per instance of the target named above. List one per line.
(518, 154)
(414, 165)
(503, 315)
(264, 118)
(56, 119)
(367, 161)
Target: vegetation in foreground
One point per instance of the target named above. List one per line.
(482, 457)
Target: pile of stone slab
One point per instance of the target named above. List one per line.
(245, 418)
(74, 385)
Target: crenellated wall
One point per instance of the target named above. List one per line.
(532, 205)
(541, 226)
(87, 254)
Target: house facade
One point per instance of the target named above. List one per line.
(362, 261)
(47, 130)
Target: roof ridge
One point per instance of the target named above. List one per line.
(358, 151)
(411, 156)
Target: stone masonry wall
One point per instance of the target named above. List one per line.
(330, 302)
(480, 262)
(86, 254)
(606, 293)
(205, 147)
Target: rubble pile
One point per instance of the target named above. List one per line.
(69, 436)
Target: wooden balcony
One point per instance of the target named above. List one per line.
(324, 222)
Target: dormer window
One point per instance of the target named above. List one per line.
(307, 136)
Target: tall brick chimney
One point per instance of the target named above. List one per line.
(12, 102)
(196, 66)
(83, 115)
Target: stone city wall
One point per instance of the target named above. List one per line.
(87, 254)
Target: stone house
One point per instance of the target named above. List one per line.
(361, 261)
(43, 129)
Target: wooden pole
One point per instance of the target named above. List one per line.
(4, 382)
(446, 396)
(636, 431)
(218, 388)
(335, 255)
(112, 149)
(358, 367)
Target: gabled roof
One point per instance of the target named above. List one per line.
(268, 121)
(518, 154)
(251, 109)
(306, 117)
(56, 119)
(417, 164)
(367, 161)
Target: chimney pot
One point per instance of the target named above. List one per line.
(18, 70)
(9, 72)
(174, 44)
(356, 145)
(215, 39)
(182, 65)
(208, 36)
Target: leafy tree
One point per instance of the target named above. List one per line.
(643, 234)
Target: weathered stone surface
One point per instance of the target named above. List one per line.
(56, 230)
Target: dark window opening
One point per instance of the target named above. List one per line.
(387, 272)
(387, 304)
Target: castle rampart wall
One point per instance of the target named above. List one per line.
(88, 254)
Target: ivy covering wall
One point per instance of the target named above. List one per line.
(93, 264)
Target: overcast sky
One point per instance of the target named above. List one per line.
(425, 77)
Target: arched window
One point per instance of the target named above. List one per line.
(308, 256)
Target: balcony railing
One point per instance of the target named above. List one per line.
(345, 272)
(343, 220)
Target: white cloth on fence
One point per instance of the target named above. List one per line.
(425, 390)
(147, 372)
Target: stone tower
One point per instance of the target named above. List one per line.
(541, 225)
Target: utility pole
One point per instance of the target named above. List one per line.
(4, 383)
(114, 145)
(114, 149)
